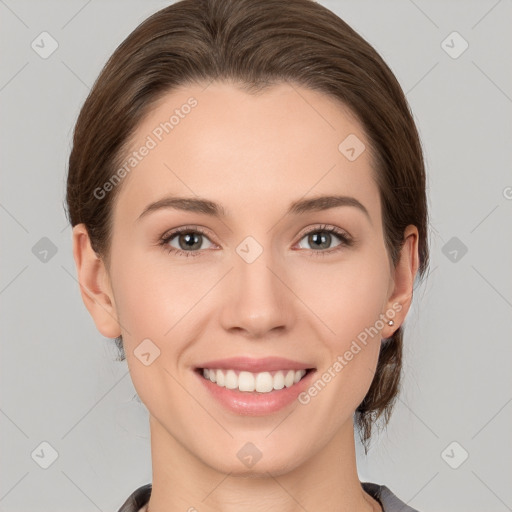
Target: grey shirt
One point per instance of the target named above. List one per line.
(388, 501)
(138, 500)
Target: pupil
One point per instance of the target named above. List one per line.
(323, 239)
(191, 240)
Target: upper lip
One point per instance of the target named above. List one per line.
(255, 365)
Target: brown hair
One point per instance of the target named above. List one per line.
(256, 43)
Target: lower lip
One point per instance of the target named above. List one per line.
(254, 403)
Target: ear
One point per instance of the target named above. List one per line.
(95, 286)
(402, 282)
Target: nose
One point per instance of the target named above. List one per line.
(257, 302)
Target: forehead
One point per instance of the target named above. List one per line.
(247, 150)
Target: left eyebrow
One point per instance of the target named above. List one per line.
(325, 203)
(207, 207)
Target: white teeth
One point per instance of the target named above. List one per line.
(279, 380)
(246, 381)
(288, 380)
(262, 382)
(231, 380)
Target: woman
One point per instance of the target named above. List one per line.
(247, 194)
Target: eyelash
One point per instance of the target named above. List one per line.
(346, 240)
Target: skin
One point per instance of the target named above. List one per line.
(254, 154)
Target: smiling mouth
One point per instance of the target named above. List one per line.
(261, 382)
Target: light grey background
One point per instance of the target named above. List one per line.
(59, 378)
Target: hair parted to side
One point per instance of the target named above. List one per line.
(255, 44)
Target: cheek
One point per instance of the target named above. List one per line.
(144, 292)
(159, 301)
(149, 306)
(348, 300)
(347, 296)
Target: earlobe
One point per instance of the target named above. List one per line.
(95, 285)
(405, 272)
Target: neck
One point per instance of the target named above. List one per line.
(183, 482)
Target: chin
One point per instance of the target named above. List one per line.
(252, 463)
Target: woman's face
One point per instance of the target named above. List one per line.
(261, 278)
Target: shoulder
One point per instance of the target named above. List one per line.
(137, 500)
(389, 501)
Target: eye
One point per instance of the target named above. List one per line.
(187, 237)
(322, 237)
(189, 240)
